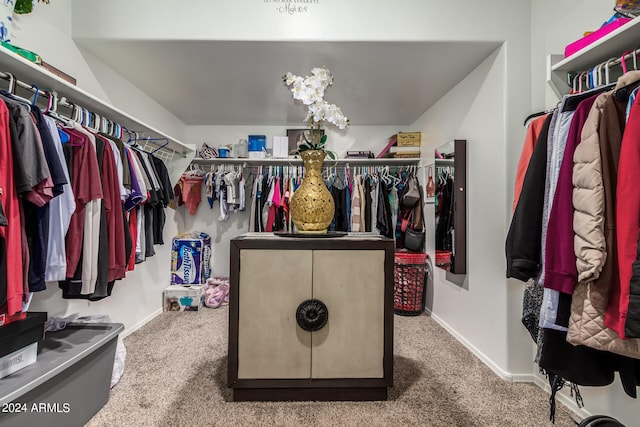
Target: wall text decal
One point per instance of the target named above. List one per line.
(292, 7)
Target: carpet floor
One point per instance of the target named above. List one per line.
(176, 374)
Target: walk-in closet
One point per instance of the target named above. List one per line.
(308, 212)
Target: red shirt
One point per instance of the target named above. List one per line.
(113, 209)
(86, 185)
(11, 233)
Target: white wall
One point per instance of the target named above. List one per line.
(47, 31)
(478, 310)
(554, 24)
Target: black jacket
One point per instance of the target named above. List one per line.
(523, 248)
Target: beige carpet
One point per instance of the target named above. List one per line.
(176, 371)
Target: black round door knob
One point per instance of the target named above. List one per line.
(312, 315)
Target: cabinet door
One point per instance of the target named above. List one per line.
(351, 284)
(272, 285)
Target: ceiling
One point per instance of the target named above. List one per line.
(239, 82)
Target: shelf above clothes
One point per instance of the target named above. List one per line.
(609, 46)
(298, 162)
(29, 72)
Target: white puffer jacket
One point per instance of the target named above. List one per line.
(588, 198)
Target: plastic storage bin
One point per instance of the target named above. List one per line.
(409, 283)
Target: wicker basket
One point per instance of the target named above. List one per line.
(409, 283)
(443, 260)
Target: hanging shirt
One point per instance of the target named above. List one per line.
(142, 177)
(394, 203)
(209, 179)
(61, 209)
(356, 212)
(133, 232)
(38, 236)
(242, 205)
(166, 197)
(92, 213)
(33, 178)
(117, 159)
(252, 209)
(136, 195)
(12, 282)
(141, 241)
(113, 211)
(374, 204)
(86, 186)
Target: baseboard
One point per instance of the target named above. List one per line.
(132, 329)
(507, 376)
(561, 397)
(529, 378)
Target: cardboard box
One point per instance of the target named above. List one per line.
(408, 139)
(183, 298)
(18, 359)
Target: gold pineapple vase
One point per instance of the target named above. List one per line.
(312, 205)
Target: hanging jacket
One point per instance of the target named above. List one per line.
(623, 313)
(533, 133)
(612, 130)
(587, 325)
(523, 239)
(588, 198)
(560, 258)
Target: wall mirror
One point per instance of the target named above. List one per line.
(451, 206)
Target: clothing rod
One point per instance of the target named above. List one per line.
(63, 102)
(609, 63)
(297, 162)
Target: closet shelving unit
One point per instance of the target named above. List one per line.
(28, 72)
(613, 45)
(298, 162)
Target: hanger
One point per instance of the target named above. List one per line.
(623, 61)
(64, 136)
(13, 82)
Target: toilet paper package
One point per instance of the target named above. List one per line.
(190, 258)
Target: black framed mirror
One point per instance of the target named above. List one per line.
(450, 177)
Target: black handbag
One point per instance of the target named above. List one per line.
(413, 194)
(414, 239)
(413, 234)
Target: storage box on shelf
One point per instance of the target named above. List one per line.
(408, 139)
(402, 145)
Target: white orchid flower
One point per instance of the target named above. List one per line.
(310, 90)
